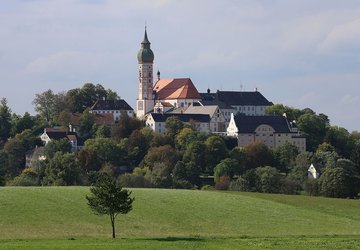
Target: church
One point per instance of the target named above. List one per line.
(165, 94)
(239, 114)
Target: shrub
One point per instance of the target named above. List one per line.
(27, 178)
(268, 180)
(182, 184)
(289, 186)
(240, 184)
(207, 187)
(311, 187)
(133, 181)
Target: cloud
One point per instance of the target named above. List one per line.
(343, 38)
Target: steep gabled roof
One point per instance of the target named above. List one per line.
(119, 104)
(56, 134)
(208, 110)
(181, 88)
(237, 98)
(159, 117)
(248, 124)
(100, 119)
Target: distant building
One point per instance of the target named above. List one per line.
(156, 121)
(58, 134)
(237, 102)
(165, 94)
(217, 119)
(100, 119)
(114, 107)
(273, 131)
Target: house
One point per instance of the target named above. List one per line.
(100, 119)
(58, 134)
(156, 121)
(273, 131)
(237, 102)
(115, 107)
(217, 119)
(312, 172)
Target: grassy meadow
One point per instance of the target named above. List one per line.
(58, 218)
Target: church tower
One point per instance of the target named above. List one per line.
(145, 100)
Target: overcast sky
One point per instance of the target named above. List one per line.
(302, 53)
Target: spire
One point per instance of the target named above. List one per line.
(145, 53)
(146, 40)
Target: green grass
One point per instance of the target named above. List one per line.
(58, 218)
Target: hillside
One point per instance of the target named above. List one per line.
(62, 213)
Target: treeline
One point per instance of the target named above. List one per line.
(181, 158)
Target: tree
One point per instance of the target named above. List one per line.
(186, 172)
(62, 145)
(19, 124)
(106, 149)
(126, 126)
(285, 157)
(5, 120)
(338, 182)
(340, 139)
(314, 128)
(63, 169)
(226, 167)
(258, 155)
(109, 198)
(16, 157)
(173, 126)
(268, 179)
(195, 153)
(215, 152)
(86, 123)
(50, 105)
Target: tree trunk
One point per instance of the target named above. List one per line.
(112, 217)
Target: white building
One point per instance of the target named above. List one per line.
(312, 172)
(217, 119)
(273, 131)
(156, 121)
(114, 107)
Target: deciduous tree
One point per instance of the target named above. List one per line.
(110, 199)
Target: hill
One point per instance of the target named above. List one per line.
(53, 214)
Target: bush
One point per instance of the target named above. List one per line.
(289, 186)
(311, 187)
(338, 183)
(133, 181)
(223, 183)
(207, 187)
(240, 184)
(268, 180)
(182, 184)
(27, 178)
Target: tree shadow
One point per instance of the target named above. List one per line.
(173, 239)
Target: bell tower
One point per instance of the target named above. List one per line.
(145, 100)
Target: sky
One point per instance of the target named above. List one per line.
(303, 53)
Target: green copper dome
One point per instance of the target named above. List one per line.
(145, 54)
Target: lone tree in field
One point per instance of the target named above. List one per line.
(109, 198)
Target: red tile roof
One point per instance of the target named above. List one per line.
(181, 88)
(100, 119)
